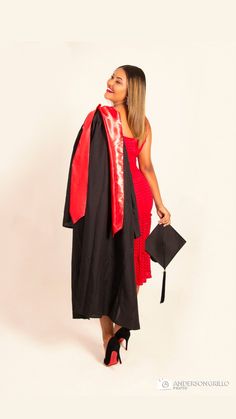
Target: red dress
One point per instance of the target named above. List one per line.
(144, 198)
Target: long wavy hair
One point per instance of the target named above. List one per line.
(136, 96)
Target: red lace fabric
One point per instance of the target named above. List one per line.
(144, 198)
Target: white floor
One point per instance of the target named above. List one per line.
(56, 363)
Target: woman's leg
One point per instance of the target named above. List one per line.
(107, 329)
(117, 326)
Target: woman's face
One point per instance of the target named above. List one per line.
(118, 85)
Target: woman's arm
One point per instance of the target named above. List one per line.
(146, 167)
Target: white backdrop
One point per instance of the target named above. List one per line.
(47, 89)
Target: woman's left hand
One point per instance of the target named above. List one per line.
(164, 215)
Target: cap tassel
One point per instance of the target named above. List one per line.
(163, 287)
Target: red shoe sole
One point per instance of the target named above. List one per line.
(121, 339)
(113, 359)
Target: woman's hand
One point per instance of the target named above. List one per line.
(164, 215)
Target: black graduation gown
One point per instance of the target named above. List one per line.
(102, 266)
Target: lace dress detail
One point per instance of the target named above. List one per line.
(144, 198)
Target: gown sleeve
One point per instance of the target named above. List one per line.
(135, 220)
(67, 221)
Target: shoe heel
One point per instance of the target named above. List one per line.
(123, 333)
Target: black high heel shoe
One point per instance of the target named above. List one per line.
(112, 352)
(121, 334)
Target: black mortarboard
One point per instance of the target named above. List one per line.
(162, 244)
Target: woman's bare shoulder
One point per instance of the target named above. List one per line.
(148, 127)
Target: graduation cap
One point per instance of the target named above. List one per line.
(163, 243)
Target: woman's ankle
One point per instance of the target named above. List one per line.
(116, 327)
(106, 339)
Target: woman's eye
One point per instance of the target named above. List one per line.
(116, 80)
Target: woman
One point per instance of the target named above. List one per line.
(108, 267)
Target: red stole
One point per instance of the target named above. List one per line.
(80, 164)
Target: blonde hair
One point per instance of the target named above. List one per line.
(136, 118)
